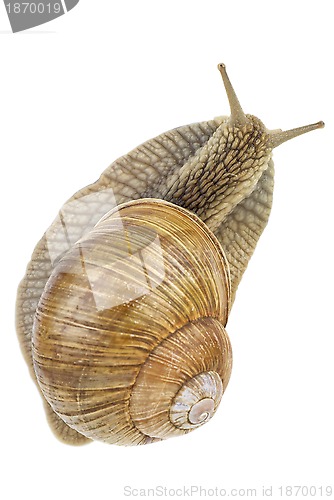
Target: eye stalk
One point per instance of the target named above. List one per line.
(277, 137)
(238, 117)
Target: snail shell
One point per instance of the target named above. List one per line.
(129, 344)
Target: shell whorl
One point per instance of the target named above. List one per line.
(129, 344)
(186, 368)
(197, 400)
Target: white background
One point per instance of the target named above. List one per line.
(84, 89)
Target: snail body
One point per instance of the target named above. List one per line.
(121, 315)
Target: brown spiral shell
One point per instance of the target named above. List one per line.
(129, 345)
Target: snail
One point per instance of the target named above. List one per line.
(121, 314)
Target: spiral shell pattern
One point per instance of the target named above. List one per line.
(129, 345)
(197, 400)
